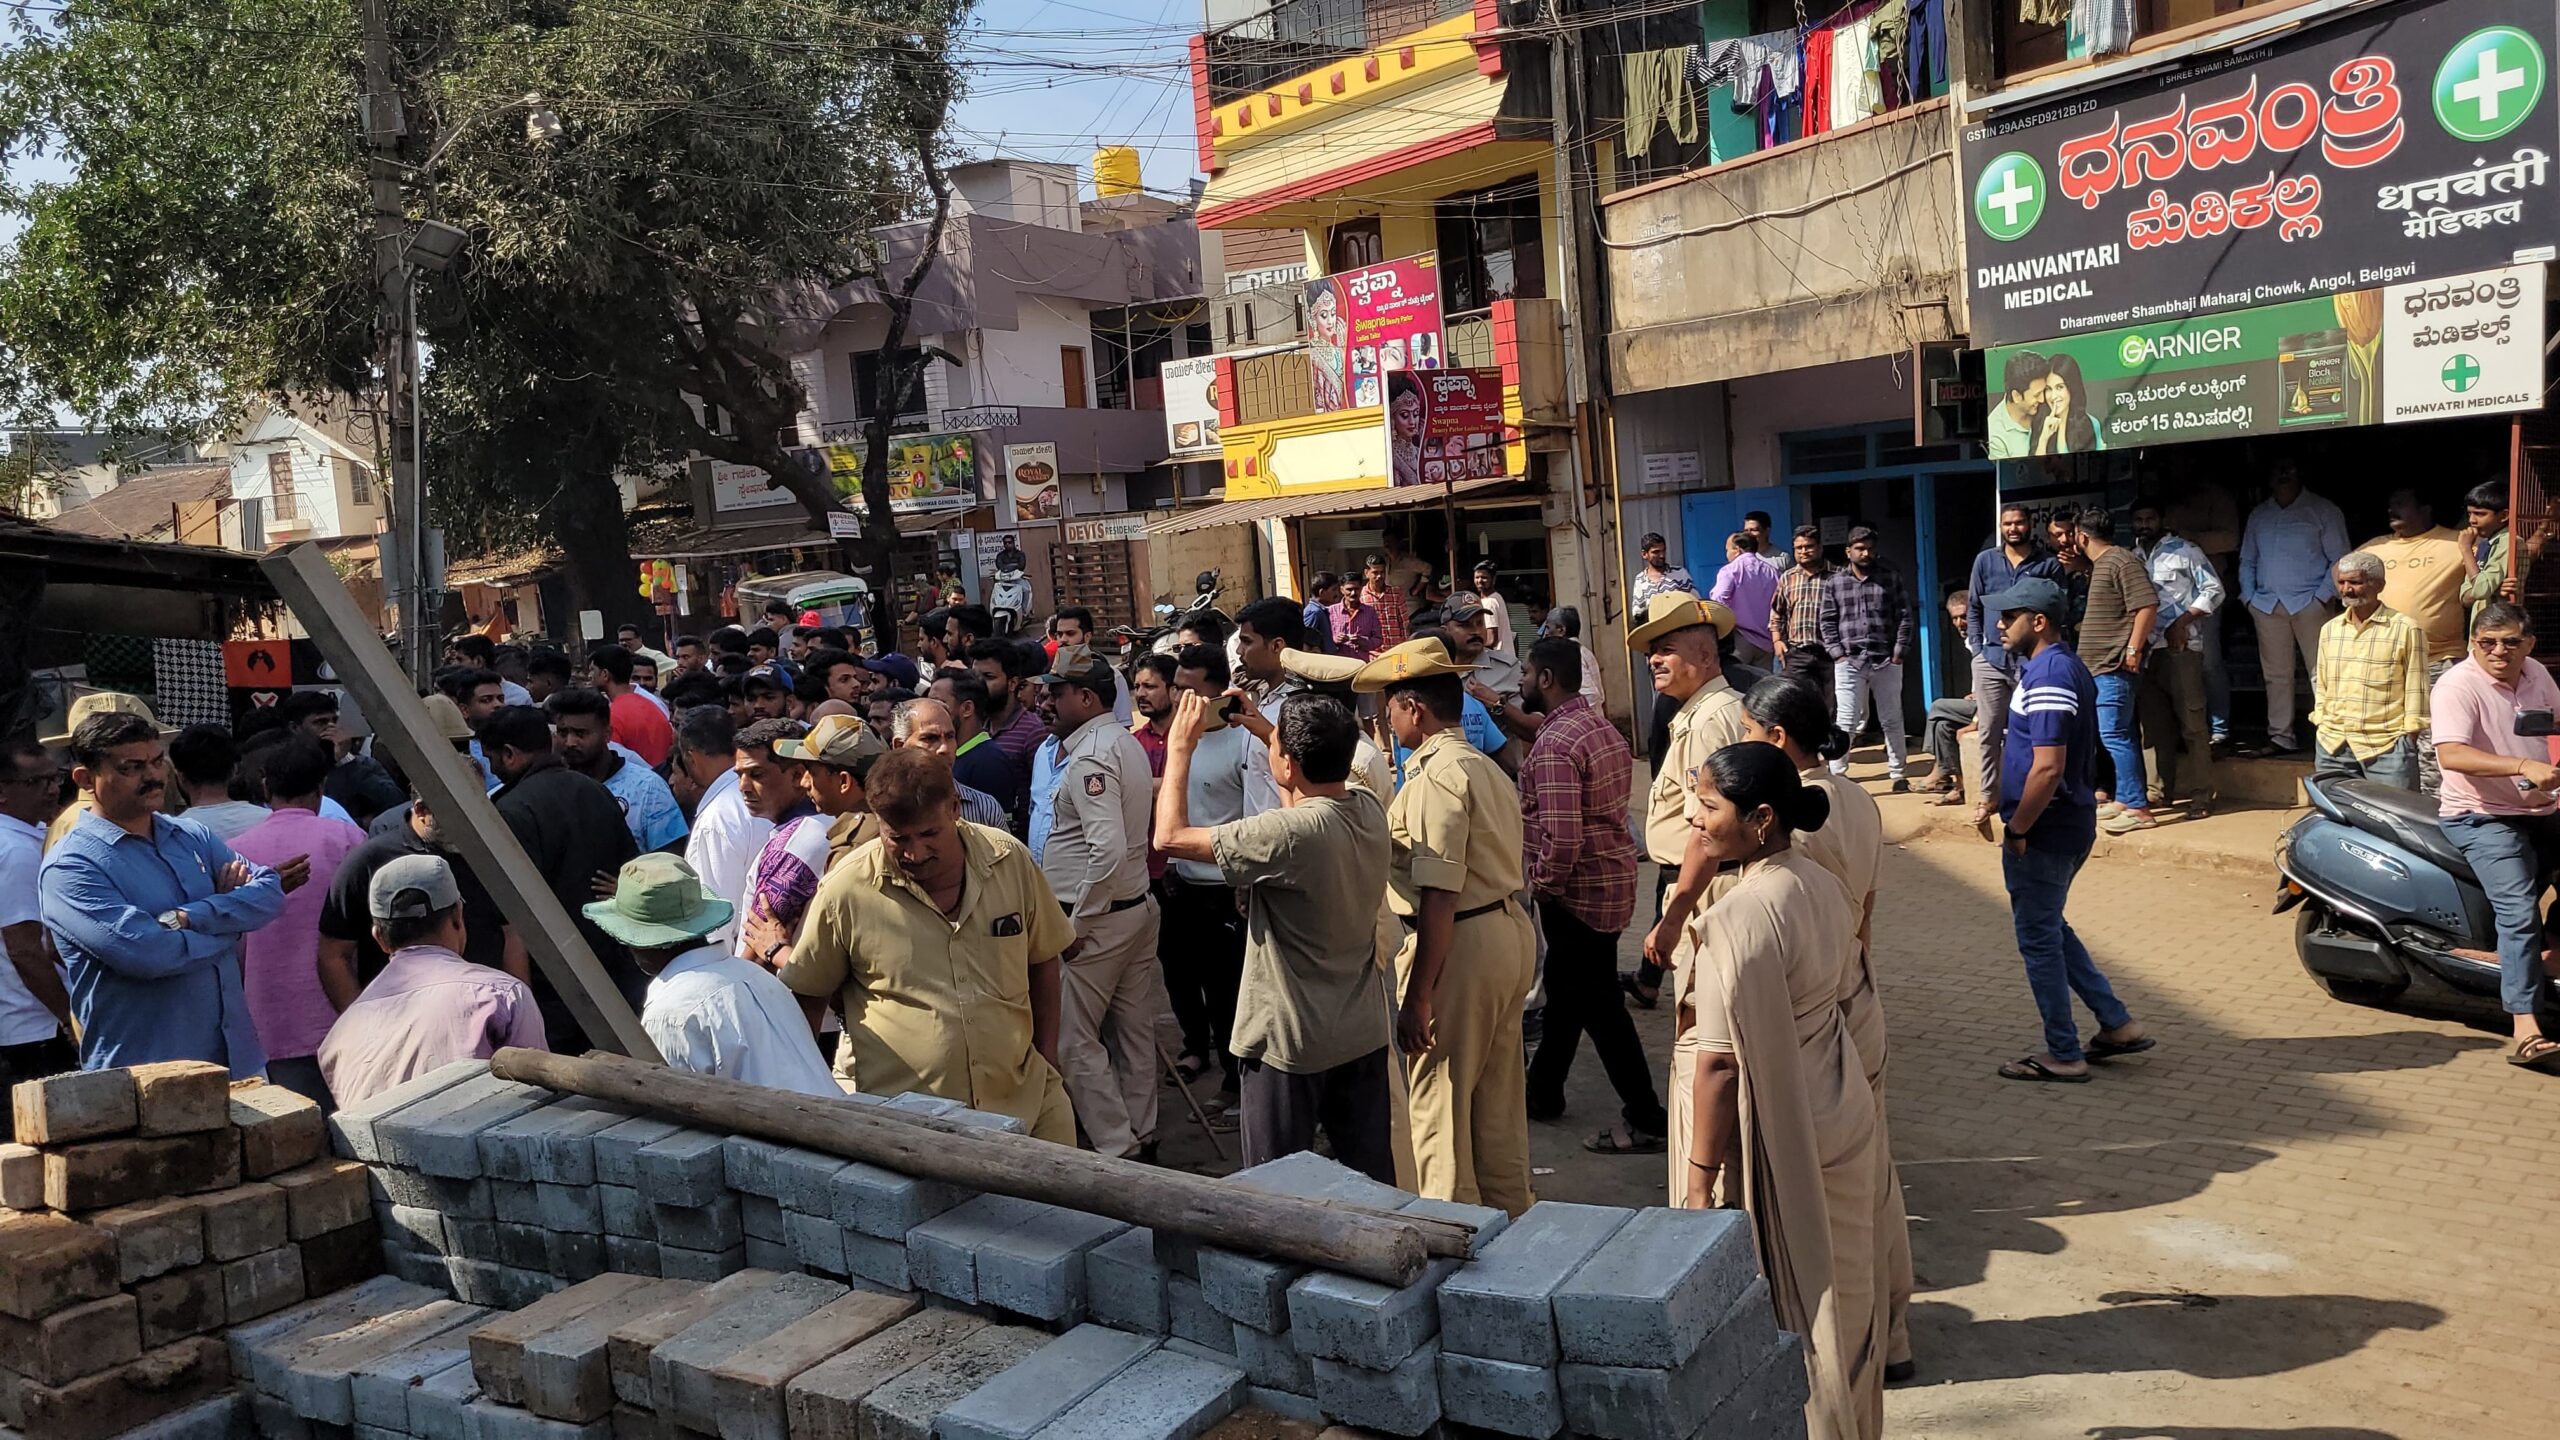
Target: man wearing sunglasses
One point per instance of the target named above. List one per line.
(2500, 803)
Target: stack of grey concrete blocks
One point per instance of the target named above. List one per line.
(1578, 1319)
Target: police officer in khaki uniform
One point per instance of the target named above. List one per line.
(1469, 956)
(1678, 642)
(1096, 861)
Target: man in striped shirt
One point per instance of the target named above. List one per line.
(2368, 683)
(1382, 594)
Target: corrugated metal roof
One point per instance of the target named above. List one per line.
(1336, 502)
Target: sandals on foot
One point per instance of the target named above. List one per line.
(1623, 1142)
(2537, 1054)
(2111, 1049)
(2035, 1070)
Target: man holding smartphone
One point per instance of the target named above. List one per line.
(2500, 803)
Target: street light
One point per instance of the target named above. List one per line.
(431, 249)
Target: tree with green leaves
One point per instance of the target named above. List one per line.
(661, 198)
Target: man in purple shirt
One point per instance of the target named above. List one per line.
(429, 1006)
(1745, 586)
(1358, 630)
(280, 961)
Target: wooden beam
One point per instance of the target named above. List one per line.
(472, 826)
(1389, 1249)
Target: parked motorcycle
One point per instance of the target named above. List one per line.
(1009, 600)
(2385, 899)
(1158, 638)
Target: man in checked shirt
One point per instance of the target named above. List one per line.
(1582, 867)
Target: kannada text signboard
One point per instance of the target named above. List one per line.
(1444, 426)
(1364, 324)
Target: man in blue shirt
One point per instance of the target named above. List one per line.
(2017, 557)
(145, 911)
(582, 731)
(2286, 551)
(2049, 819)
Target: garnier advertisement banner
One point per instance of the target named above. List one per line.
(2407, 142)
(2470, 345)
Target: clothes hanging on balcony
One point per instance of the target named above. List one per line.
(1855, 95)
(2101, 27)
(1924, 54)
(1817, 80)
(1658, 95)
(2044, 12)
(1892, 28)
(1758, 64)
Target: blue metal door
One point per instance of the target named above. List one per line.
(1707, 516)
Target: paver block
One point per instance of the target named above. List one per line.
(21, 1176)
(747, 1164)
(1649, 1295)
(180, 1097)
(181, 1303)
(417, 1269)
(905, 1408)
(1402, 1401)
(761, 1217)
(1301, 1408)
(778, 1255)
(379, 1385)
(73, 1341)
(1769, 1405)
(943, 1251)
(713, 1225)
(882, 1262)
(617, 1148)
(623, 1210)
(77, 1105)
(440, 1134)
(1255, 1291)
(263, 1342)
(678, 1263)
(113, 1402)
(1501, 1395)
(1624, 1402)
(261, 1284)
(816, 1242)
(916, 1102)
(628, 1348)
(438, 1404)
(244, 1220)
(1124, 1285)
(574, 1207)
(574, 1257)
(885, 1204)
(804, 1180)
(522, 1247)
(1037, 1268)
(1188, 1316)
(222, 1417)
(153, 1237)
(471, 1239)
(631, 1257)
(1165, 1396)
(1044, 1386)
(274, 1419)
(515, 1202)
(335, 1259)
(824, 1402)
(565, 1372)
(98, 1173)
(318, 1371)
(553, 1145)
(484, 1419)
(1272, 1361)
(351, 1127)
(1343, 1317)
(279, 1129)
(750, 1388)
(322, 1196)
(1500, 1305)
(1485, 1220)
(497, 1347)
(689, 1167)
(412, 1227)
(48, 1261)
(680, 1370)
(469, 1199)
(501, 1287)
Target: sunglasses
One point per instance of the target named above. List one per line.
(2497, 644)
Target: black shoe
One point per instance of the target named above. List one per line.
(1146, 1153)
(1899, 787)
(1901, 1372)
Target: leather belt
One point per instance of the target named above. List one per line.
(1114, 908)
(1409, 921)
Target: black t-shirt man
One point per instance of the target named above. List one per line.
(573, 829)
(344, 914)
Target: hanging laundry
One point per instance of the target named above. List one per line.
(1925, 48)
(1763, 64)
(1891, 27)
(2101, 27)
(2045, 12)
(1817, 80)
(1658, 94)
(1854, 93)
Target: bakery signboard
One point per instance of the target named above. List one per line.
(2403, 143)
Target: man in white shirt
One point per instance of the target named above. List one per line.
(726, 836)
(2174, 683)
(1203, 970)
(707, 1011)
(205, 758)
(35, 1005)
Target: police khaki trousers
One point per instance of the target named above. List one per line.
(1108, 1002)
(1467, 1097)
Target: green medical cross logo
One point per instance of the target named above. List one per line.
(2009, 198)
(2488, 83)
(2460, 373)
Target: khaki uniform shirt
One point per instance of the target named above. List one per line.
(848, 833)
(934, 1002)
(1097, 850)
(1455, 826)
(1707, 722)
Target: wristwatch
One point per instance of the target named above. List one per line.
(173, 919)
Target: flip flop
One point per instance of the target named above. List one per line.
(2109, 1049)
(2544, 1061)
(2034, 1070)
(1606, 1143)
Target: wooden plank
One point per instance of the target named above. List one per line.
(472, 826)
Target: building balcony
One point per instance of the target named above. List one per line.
(1840, 246)
(1283, 41)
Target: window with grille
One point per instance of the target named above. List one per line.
(359, 485)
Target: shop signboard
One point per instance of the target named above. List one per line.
(1106, 529)
(1364, 324)
(1191, 407)
(744, 487)
(2471, 345)
(2405, 142)
(1031, 482)
(1444, 426)
(928, 474)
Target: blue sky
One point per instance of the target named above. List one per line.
(1050, 79)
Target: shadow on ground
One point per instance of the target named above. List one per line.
(2226, 1432)
(2212, 1337)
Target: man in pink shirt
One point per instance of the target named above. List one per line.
(429, 1006)
(2500, 803)
(280, 961)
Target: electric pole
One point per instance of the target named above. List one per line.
(395, 323)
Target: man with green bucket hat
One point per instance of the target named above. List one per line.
(707, 1010)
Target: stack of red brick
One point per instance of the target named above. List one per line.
(148, 1208)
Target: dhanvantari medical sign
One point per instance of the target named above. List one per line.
(2407, 142)
(2470, 345)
